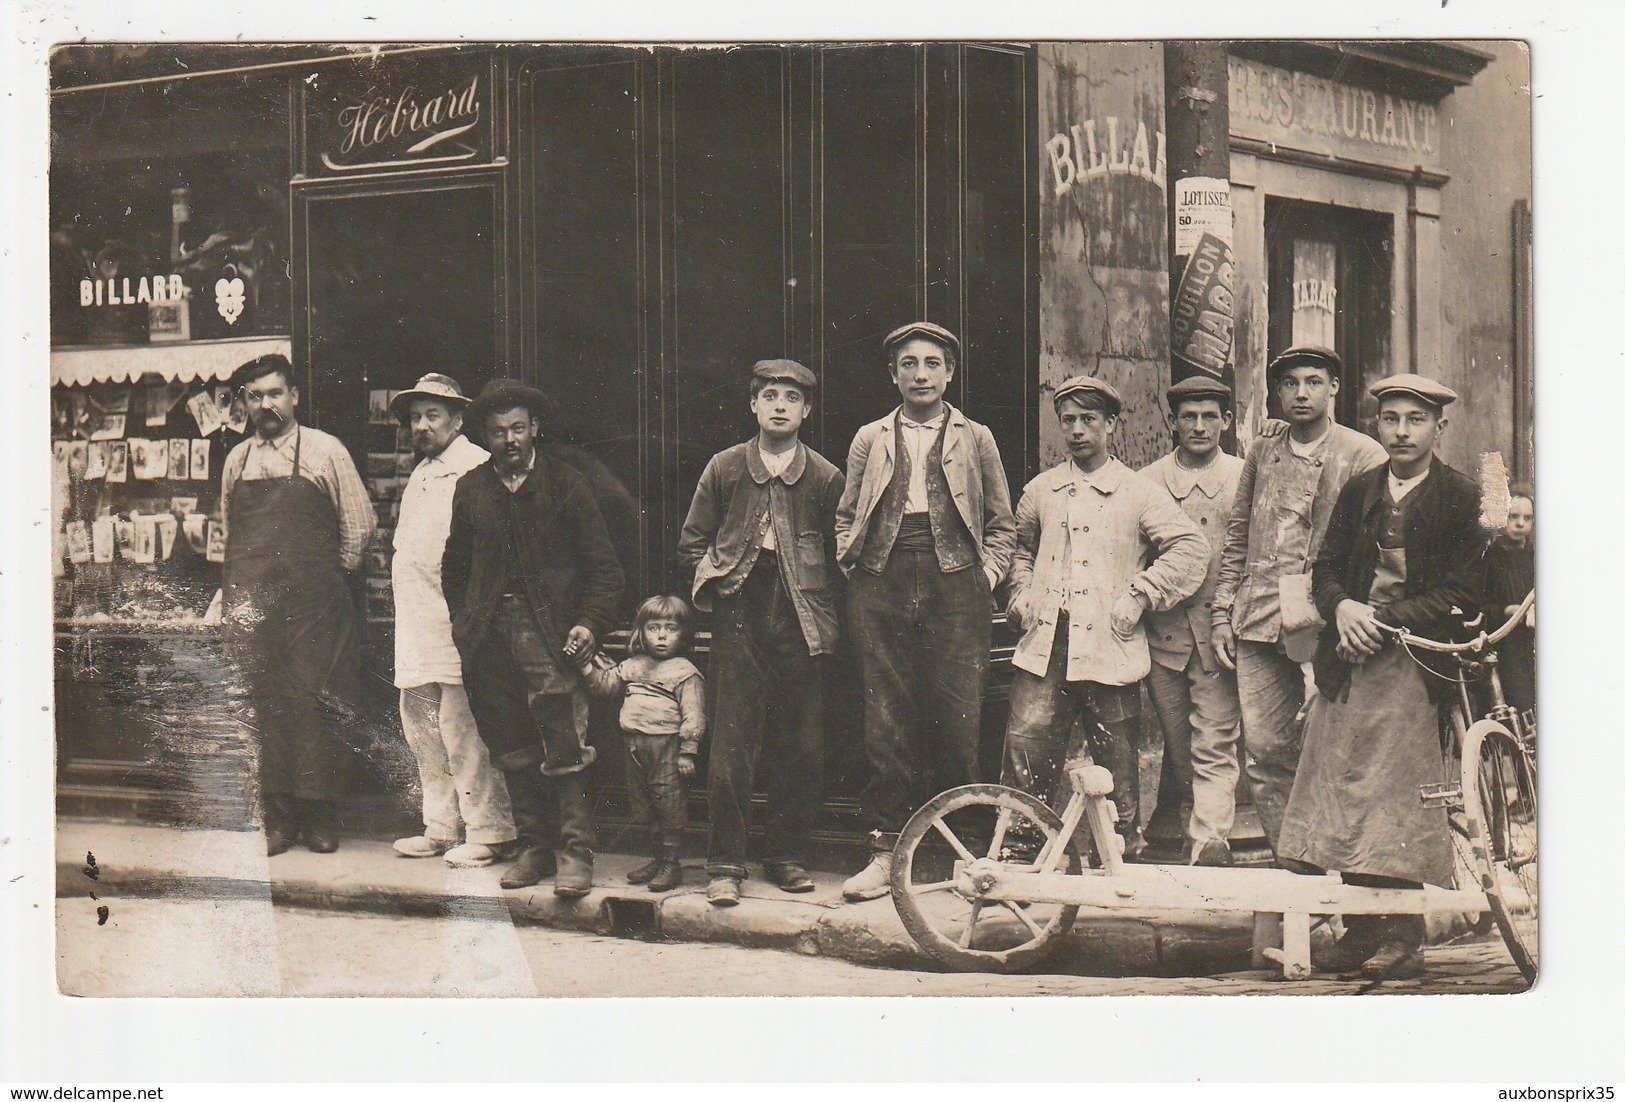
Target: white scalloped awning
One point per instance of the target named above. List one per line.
(180, 362)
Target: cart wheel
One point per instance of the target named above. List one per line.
(962, 824)
(1498, 788)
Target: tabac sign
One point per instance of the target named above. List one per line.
(398, 113)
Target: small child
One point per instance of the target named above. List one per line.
(663, 719)
(1509, 575)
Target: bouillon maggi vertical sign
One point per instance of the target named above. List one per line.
(408, 112)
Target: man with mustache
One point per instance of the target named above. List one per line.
(297, 521)
(466, 812)
(532, 583)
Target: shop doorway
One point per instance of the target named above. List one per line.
(1331, 284)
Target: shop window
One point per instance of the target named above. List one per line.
(1330, 284)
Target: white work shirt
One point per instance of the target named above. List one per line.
(424, 652)
(776, 465)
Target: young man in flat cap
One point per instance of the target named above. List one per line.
(466, 813)
(760, 536)
(1193, 694)
(1264, 625)
(1404, 547)
(924, 534)
(298, 520)
(532, 583)
(1097, 547)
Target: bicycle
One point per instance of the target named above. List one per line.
(1492, 809)
(1006, 908)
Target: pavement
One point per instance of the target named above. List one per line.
(115, 861)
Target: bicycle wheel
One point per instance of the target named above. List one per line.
(1464, 859)
(959, 825)
(1498, 786)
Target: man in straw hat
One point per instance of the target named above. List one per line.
(532, 582)
(1403, 547)
(466, 813)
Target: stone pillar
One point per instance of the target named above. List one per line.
(1103, 235)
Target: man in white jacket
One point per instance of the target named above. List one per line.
(466, 812)
(1097, 546)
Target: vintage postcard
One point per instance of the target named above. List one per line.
(949, 518)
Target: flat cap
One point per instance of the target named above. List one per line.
(441, 388)
(1307, 355)
(928, 330)
(788, 371)
(1197, 387)
(1417, 386)
(1088, 384)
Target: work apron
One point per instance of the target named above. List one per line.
(1356, 804)
(290, 628)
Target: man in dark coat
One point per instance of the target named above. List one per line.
(532, 582)
(1404, 547)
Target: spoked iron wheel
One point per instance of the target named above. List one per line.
(962, 825)
(1498, 788)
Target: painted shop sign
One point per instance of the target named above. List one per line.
(1111, 146)
(391, 114)
(1312, 113)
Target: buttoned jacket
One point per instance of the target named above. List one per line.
(1207, 496)
(1270, 513)
(735, 501)
(974, 474)
(568, 566)
(1081, 542)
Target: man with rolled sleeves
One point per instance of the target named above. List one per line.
(297, 522)
(1264, 624)
(924, 534)
(532, 583)
(466, 813)
(1404, 547)
(1097, 547)
(1193, 694)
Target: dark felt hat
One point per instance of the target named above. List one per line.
(504, 394)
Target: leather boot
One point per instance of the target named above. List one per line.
(576, 836)
(534, 865)
(1117, 746)
(281, 824)
(319, 826)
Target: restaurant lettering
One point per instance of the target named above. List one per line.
(1310, 107)
(1087, 151)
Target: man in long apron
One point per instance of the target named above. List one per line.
(297, 522)
(1403, 547)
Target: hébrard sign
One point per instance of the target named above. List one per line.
(397, 113)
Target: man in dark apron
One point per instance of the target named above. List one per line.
(297, 522)
(1403, 547)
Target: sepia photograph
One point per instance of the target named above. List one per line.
(1061, 511)
(988, 538)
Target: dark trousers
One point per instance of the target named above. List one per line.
(1368, 932)
(769, 706)
(659, 800)
(922, 639)
(532, 719)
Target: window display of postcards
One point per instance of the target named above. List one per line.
(389, 462)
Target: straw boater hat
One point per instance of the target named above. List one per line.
(441, 388)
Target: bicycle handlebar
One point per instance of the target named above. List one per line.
(1478, 643)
